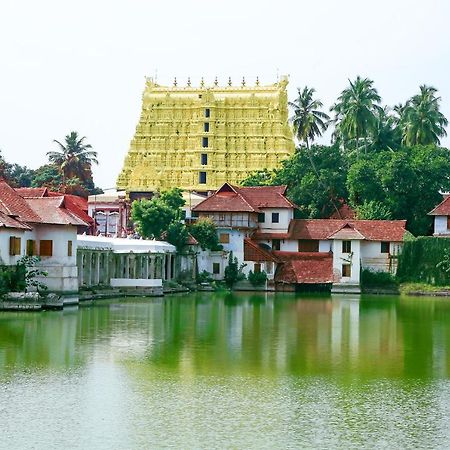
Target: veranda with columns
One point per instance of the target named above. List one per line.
(101, 259)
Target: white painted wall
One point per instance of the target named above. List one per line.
(440, 225)
(285, 216)
(5, 234)
(353, 258)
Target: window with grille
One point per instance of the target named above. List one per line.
(206, 127)
(275, 217)
(257, 268)
(385, 247)
(216, 268)
(202, 178)
(204, 159)
(346, 246)
(205, 142)
(276, 244)
(69, 248)
(261, 217)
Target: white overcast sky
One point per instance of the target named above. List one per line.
(80, 65)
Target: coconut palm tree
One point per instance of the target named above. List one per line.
(309, 122)
(421, 121)
(355, 110)
(74, 158)
(385, 134)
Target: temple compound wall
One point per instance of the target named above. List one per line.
(198, 138)
(127, 263)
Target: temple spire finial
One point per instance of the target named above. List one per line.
(189, 82)
(202, 82)
(175, 82)
(216, 82)
(257, 81)
(229, 81)
(243, 81)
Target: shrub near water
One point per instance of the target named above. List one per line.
(371, 278)
(423, 260)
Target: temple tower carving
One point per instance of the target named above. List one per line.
(196, 138)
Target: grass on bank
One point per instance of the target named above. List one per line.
(411, 288)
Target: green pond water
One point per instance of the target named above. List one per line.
(238, 371)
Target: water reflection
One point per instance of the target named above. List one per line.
(255, 334)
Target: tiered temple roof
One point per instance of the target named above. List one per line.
(198, 138)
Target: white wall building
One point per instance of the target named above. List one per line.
(441, 214)
(257, 224)
(40, 227)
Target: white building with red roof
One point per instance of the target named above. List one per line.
(442, 218)
(258, 225)
(40, 226)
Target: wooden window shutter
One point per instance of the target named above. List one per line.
(69, 248)
(46, 247)
(31, 247)
(12, 245)
(17, 245)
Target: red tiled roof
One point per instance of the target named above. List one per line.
(9, 222)
(244, 199)
(27, 192)
(12, 204)
(253, 252)
(52, 210)
(443, 209)
(307, 267)
(77, 205)
(372, 230)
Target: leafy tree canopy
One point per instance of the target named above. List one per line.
(161, 214)
(204, 230)
(316, 188)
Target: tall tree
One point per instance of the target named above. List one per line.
(420, 120)
(309, 122)
(355, 111)
(74, 157)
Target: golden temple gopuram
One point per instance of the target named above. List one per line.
(197, 138)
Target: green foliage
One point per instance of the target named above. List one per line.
(177, 234)
(161, 215)
(315, 188)
(74, 160)
(308, 120)
(425, 260)
(152, 217)
(173, 198)
(260, 178)
(257, 278)
(233, 272)
(204, 277)
(420, 120)
(355, 112)
(12, 278)
(406, 182)
(22, 276)
(204, 230)
(371, 278)
(48, 176)
(373, 210)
